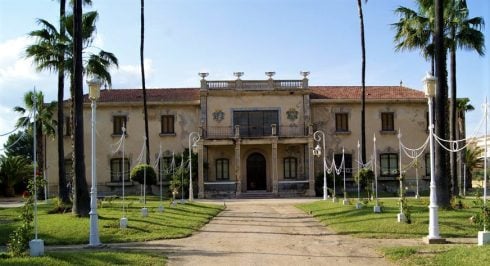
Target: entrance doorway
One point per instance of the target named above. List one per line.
(256, 172)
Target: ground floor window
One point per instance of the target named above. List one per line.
(117, 169)
(165, 168)
(222, 169)
(348, 163)
(427, 164)
(290, 168)
(389, 164)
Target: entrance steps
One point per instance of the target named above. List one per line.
(255, 194)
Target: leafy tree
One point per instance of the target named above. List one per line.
(365, 177)
(138, 174)
(474, 160)
(13, 170)
(20, 143)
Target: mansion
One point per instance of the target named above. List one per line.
(254, 135)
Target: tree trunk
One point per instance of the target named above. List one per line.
(63, 192)
(145, 107)
(363, 82)
(81, 200)
(452, 122)
(441, 175)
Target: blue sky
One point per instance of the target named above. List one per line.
(184, 37)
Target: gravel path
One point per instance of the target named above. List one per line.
(264, 232)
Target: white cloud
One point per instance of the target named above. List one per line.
(13, 65)
(6, 124)
(130, 75)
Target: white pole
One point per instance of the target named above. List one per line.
(375, 169)
(343, 161)
(485, 164)
(359, 163)
(195, 139)
(34, 101)
(433, 208)
(123, 176)
(334, 194)
(94, 227)
(464, 179)
(417, 177)
(161, 174)
(317, 136)
(144, 172)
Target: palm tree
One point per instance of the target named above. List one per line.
(464, 33)
(13, 170)
(45, 125)
(46, 55)
(363, 82)
(463, 106)
(142, 46)
(474, 159)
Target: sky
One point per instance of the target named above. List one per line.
(185, 37)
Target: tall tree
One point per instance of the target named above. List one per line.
(464, 32)
(463, 106)
(363, 82)
(145, 107)
(20, 143)
(441, 180)
(45, 125)
(45, 52)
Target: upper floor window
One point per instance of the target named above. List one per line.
(119, 121)
(387, 122)
(222, 169)
(341, 122)
(117, 169)
(67, 126)
(290, 168)
(389, 164)
(167, 126)
(256, 123)
(348, 163)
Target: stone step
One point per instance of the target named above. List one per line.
(256, 194)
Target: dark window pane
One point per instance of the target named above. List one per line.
(167, 126)
(119, 122)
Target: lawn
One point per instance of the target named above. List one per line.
(367, 224)
(90, 258)
(56, 229)
(439, 255)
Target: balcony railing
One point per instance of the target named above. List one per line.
(254, 132)
(256, 84)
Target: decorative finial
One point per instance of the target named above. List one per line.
(238, 74)
(203, 75)
(304, 74)
(270, 74)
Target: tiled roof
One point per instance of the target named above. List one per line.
(152, 95)
(372, 92)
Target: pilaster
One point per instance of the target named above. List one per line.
(200, 170)
(238, 168)
(311, 169)
(275, 175)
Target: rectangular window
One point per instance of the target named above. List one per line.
(167, 126)
(256, 123)
(222, 169)
(117, 169)
(290, 168)
(165, 168)
(389, 164)
(119, 122)
(67, 126)
(348, 164)
(387, 122)
(69, 170)
(342, 122)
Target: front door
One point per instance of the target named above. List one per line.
(256, 172)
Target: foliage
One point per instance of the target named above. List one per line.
(60, 206)
(139, 171)
(366, 178)
(20, 143)
(18, 242)
(319, 183)
(482, 216)
(13, 170)
(405, 207)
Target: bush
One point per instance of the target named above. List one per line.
(138, 174)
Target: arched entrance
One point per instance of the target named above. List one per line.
(256, 172)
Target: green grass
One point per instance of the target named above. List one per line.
(439, 255)
(367, 224)
(89, 258)
(175, 222)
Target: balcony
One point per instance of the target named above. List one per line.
(227, 132)
(255, 85)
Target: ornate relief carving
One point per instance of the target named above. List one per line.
(218, 115)
(292, 114)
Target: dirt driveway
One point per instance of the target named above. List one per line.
(265, 232)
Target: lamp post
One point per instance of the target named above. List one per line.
(376, 208)
(346, 201)
(94, 94)
(433, 237)
(193, 138)
(484, 236)
(359, 165)
(317, 151)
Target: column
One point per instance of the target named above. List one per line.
(200, 169)
(311, 169)
(238, 168)
(275, 176)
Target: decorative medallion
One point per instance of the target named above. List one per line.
(292, 114)
(218, 115)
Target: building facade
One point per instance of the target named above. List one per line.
(255, 135)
